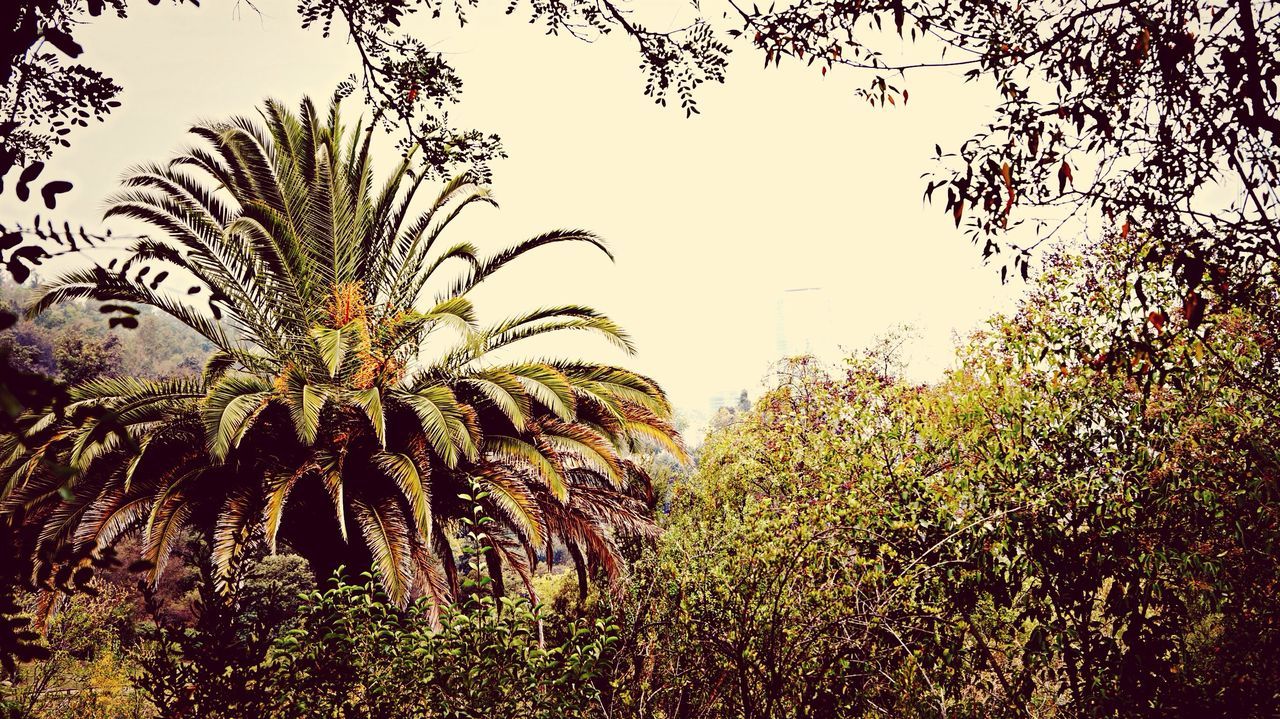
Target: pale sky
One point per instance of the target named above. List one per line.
(786, 180)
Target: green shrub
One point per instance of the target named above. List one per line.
(355, 655)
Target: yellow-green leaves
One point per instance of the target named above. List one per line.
(370, 400)
(456, 312)
(513, 499)
(230, 538)
(402, 470)
(506, 393)
(229, 411)
(306, 405)
(441, 419)
(384, 529)
(667, 440)
(331, 343)
(331, 475)
(588, 447)
(548, 386)
(553, 319)
(511, 449)
(277, 492)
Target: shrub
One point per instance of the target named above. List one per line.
(355, 655)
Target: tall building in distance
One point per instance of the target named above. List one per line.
(804, 322)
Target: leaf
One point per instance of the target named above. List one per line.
(29, 174)
(512, 498)
(229, 409)
(51, 190)
(63, 42)
(331, 474)
(1193, 309)
(434, 406)
(512, 449)
(370, 400)
(506, 393)
(278, 488)
(18, 271)
(306, 404)
(386, 534)
(129, 323)
(402, 470)
(332, 344)
(109, 308)
(230, 535)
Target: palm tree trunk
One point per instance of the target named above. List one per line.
(494, 564)
(580, 564)
(311, 529)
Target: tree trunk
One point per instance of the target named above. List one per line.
(580, 564)
(310, 529)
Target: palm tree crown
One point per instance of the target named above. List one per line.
(322, 414)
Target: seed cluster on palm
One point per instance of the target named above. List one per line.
(353, 395)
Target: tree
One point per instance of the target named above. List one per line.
(76, 341)
(43, 99)
(1127, 109)
(348, 378)
(1037, 534)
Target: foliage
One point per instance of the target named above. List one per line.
(349, 652)
(357, 656)
(20, 390)
(211, 668)
(337, 384)
(1037, 535)
(1088, 96)
(87, 674)
(43, 98)
(1126, 110)
(72, 343)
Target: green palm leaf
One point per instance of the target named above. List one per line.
(402, 470)
(386, 533)
(229, 411)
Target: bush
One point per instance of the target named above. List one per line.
(1046, 532)
(88, 673)
(354, 655)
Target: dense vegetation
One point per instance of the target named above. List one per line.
(1035, 535)
(1038, 534)
(268, 461)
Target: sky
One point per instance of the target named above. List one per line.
(786, 181)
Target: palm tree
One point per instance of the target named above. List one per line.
(353, 396)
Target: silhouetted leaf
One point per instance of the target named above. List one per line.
(29, 174)
(63, 41)
(51, 190)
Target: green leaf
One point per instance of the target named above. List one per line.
(370, 400)
(332, 345)
(402, 470)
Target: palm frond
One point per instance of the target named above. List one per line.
(384, 529)
(404, 472)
